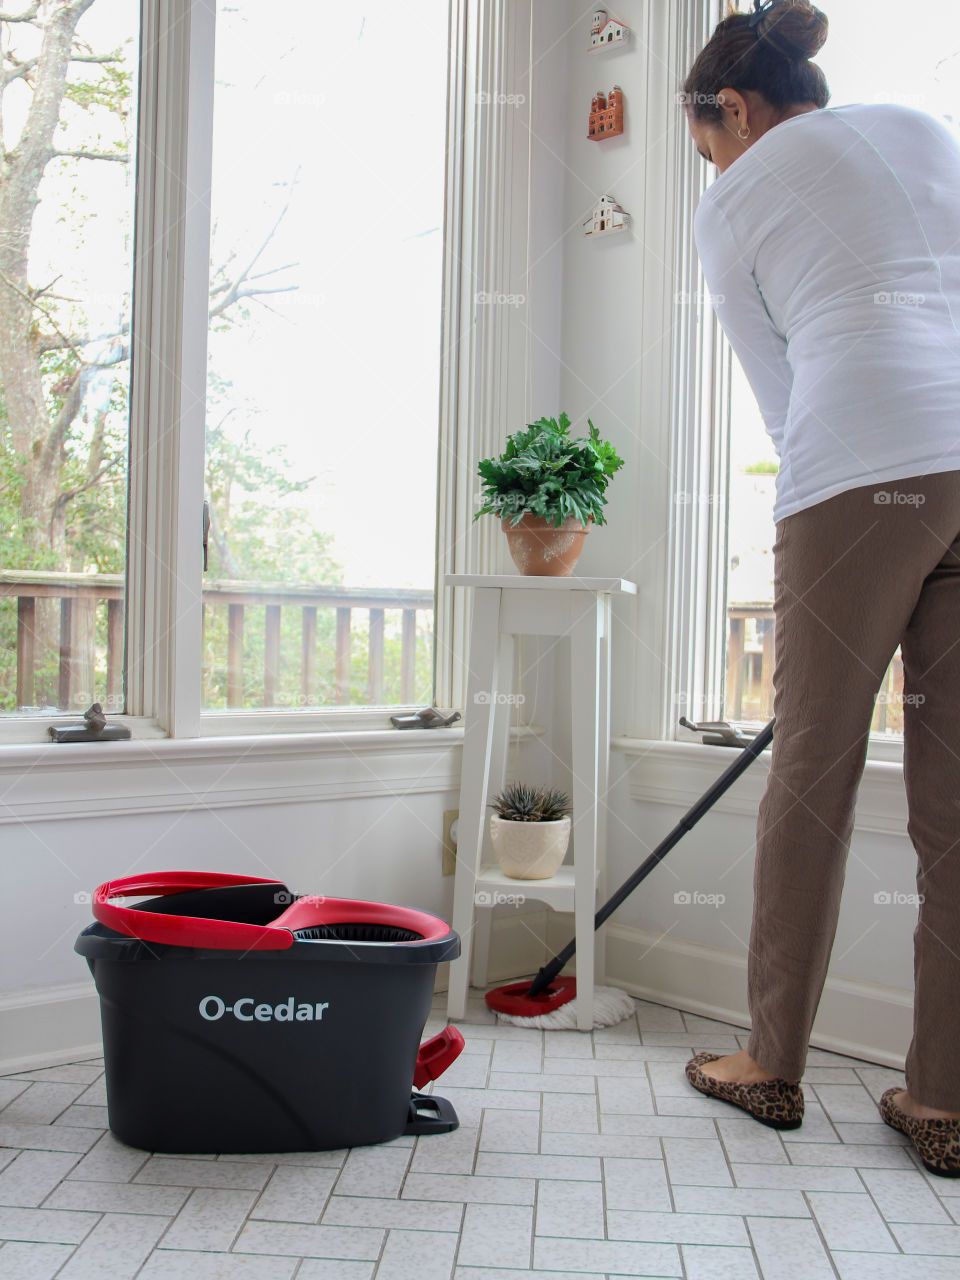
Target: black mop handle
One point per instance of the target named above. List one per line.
(743, 761)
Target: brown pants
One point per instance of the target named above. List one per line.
(856, 575)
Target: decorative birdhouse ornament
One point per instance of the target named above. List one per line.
(607, 216)
(606, 115)
(606, 32)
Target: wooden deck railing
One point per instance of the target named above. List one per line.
(346, 601)
(750, 662)
(86, 599)
(79, 595)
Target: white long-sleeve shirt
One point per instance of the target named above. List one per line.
(831, 249)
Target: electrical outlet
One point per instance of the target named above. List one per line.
(449, 843)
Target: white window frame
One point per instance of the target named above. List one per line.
(163, 647)
(697, 404)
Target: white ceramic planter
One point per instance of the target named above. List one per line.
(529, 850)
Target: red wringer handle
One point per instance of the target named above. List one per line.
(436, 1055)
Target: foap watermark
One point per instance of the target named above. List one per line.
(291, 98)
(692, 704)
(917, 100)
(487, 99)
(898, 498)
(287, 897)
(298, 299)
(484, 299)
(901, 699)
(686, 495)
(697, 898)
(897, 298)
(684, 298)
(83, 897)
(697, 99)
(484, 698)
(896, 898)
(497, 898)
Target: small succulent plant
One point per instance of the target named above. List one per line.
(520, 802)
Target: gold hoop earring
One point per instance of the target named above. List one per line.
(743, 136)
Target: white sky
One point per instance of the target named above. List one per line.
(351, 98)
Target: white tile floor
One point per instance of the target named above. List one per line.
(578, 1157)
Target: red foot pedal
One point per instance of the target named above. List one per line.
(436, 1055)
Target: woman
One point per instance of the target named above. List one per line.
(830, 243)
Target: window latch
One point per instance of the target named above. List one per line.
(719, 733)
(93, 729)
(206, 532)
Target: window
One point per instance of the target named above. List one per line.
(320, 457)
(863, 62)
(68, 95)
(286, 361)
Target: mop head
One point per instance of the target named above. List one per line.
(610, 1006)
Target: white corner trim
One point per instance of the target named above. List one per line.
(678, 773)
(62, 780)
(49, 1026)
(860, 1019)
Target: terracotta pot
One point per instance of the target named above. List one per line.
(529, 850)
(543, 549)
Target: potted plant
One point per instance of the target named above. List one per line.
(530, 830)
(547, 488)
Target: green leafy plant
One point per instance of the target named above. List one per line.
(544, 472)
(520, 802)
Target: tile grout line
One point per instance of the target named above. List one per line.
(733, 1179)
(822, 1238)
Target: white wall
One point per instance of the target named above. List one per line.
(384, 847)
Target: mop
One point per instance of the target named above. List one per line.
(549, 1001)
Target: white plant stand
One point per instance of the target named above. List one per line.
(505, 606)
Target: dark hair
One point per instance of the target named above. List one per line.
(768, 51)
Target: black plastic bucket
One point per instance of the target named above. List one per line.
(265, 1032)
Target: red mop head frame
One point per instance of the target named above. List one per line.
(516, 1000)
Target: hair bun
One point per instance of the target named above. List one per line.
(795, 28)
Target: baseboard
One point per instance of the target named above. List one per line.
(859, 1019)
(49, 1026)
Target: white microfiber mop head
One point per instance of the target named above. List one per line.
(610, 1006)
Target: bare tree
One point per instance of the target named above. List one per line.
(62, 451)
(40, 413)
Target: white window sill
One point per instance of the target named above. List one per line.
(18, 730)
(324, 720)
(678, 773)
(97, 779)
(66, 780)
(881, 747)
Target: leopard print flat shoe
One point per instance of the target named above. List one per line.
(936, 1142)
(776, 1103)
